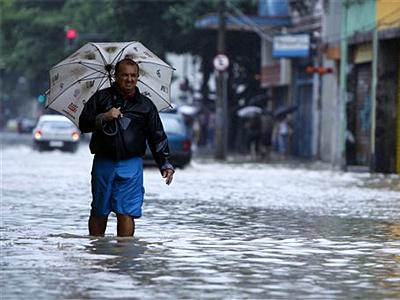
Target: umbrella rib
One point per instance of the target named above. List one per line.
(90, 78)
(87, 65)
(101, 54)
(104, 80)
(155, 92)
(75, 62)
(154, 63)
(120, 52)
(81, 79)
(91, 68)
(118, 55)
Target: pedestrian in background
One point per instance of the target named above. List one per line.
(254, 136)
(121, 120)
(282, 135)
(211, 130)
(267, 125)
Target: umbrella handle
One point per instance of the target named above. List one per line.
(110, 133)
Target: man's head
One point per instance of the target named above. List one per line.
(126, 75)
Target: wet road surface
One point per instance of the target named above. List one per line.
(220, 231)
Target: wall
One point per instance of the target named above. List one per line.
(387, 13)
(361, 15)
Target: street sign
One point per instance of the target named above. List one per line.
(221, 62)
(291, 45)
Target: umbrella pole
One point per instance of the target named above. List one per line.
(108, 69)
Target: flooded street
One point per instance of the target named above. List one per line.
(220, 231)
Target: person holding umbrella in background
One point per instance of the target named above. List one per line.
(121, 120)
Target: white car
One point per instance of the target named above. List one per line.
(55, 132)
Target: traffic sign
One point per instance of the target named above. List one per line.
(221, 62)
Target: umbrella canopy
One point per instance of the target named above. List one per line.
(249, 111)
(91, 68)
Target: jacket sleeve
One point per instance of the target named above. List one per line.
(157, 140)
(90, 119)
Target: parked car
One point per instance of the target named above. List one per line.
(179, 140)
(25, 124)
(55, 132)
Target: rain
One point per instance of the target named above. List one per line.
(283, 127)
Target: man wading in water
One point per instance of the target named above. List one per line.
(121, 120)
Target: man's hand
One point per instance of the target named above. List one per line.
(113, 113)
(168, 174)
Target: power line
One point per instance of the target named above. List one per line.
(250, 27)
(250, 23)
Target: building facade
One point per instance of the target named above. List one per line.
(369, 84)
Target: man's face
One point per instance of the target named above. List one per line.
(127, 78)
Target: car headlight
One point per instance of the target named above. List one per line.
(38, 135)
(75, 136)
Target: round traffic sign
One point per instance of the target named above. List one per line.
(221, 62)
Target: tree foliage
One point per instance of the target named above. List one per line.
(33, 34)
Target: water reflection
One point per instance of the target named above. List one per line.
(220, 232)
(116, 246)
(258, 253)
(118, 254)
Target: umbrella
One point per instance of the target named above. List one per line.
(284, 110)
(91, 68)
(249, 111)
(188, 110)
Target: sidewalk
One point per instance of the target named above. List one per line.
(207, 154)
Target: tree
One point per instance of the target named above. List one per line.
(169, 26)
(28, 32)
(32, 36)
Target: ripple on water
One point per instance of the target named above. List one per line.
(219, 232)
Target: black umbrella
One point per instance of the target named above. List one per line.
(284, 110)
(249, 111)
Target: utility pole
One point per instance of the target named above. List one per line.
(341, 155)
(318, 81)
(221, 104)
(375, 50)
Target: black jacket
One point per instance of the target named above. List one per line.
(125, 137)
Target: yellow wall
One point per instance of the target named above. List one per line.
(388, 13)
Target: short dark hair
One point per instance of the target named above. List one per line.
(127, 61)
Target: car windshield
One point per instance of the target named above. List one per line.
(172, 125)
(57, 125)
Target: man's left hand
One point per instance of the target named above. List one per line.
(168, 174)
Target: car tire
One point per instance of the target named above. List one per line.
(72, 149)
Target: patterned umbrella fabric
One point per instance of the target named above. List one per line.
(91, 68)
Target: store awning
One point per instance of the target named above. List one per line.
(211, 21)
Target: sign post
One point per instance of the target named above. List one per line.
(221, 63)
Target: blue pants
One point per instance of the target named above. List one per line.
(283, 144)
(117, 186)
